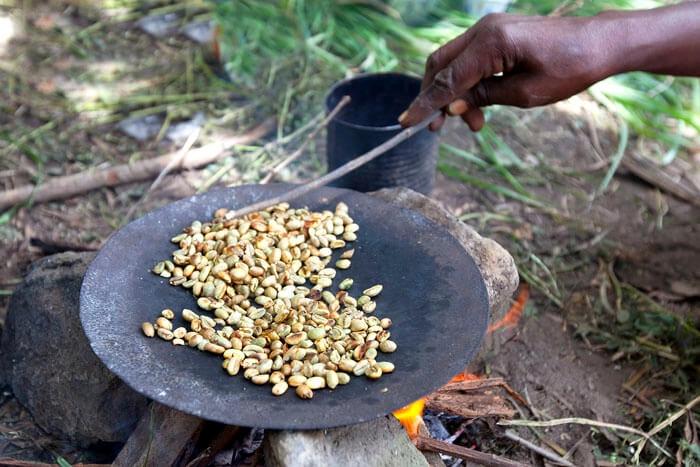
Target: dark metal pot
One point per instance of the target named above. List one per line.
(370, 119)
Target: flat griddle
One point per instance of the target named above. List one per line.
(433, 292)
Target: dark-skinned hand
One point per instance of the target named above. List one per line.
(528, 61)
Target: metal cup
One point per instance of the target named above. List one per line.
(370, 119)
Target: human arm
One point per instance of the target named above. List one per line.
(546, 59)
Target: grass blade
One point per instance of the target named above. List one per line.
(454, 172)
(466, 155)
(616, 159)
(6, 216)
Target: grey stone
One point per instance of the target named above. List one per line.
(495, 263)
(201, 32)
(179, 132)
(159, 26)
(141, 128)
(49, 365)
(379, 443)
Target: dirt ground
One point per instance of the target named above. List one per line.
(613, 277)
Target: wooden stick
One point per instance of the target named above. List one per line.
(669, 421)
(585, 421)
(215, 438)
(162, 437)
(473, 385)
(453, 450)
(337, 173)
(300, 150)
(650, 173)
(483, 383)
(71, 185)
(433, 458)
(535, 448)
(176, 161)
(50, 246)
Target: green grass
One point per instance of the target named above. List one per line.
(459, 174)
(654, 107)
(318, 42)
(286, 70)
(584, 8)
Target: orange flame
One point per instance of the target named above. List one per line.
(411, 415)
(464, 376)
(514, 313)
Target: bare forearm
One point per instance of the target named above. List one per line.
(663, 40)
(528, 61)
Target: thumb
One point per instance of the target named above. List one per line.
(447, 85)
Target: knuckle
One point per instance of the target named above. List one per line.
(500, 33)
(444, 81)
(433, 61)
(496, 26)
(493, 18)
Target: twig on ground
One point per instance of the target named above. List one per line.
(589, 243)
(584, 421)
(595, 141)
(50, 246)
(541, 451)
(71, 185)
(516, 395)
(537, 414)
(11, 281)
(175, 161)
(266, 148)
(522, 413)
(337, 173)
(650, 173)
(666, 423)
(300, 150)
(453, 450)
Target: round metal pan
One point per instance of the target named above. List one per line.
(433, 292)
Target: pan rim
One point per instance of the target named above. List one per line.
(114, 366)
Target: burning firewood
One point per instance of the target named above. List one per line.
(469, 396)
(472, 399)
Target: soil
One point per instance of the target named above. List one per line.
(555, 357)
(649, 241)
